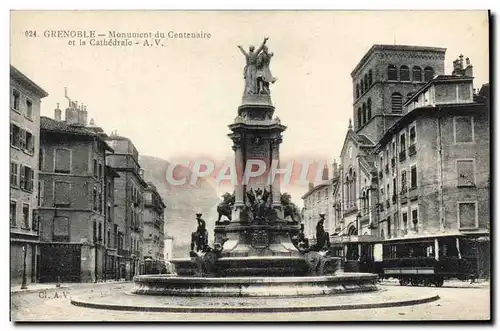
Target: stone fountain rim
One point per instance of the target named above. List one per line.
(255, 279)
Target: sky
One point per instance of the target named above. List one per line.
(177, 100)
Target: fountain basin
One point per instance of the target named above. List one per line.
(172, 285)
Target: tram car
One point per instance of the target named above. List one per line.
(413, 261)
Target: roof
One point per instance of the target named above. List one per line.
(364, 140)
(50, 125)
(438, 79)
(368, 165)
(380, 47)
(21, 78)
(410, 116)
(317, 187)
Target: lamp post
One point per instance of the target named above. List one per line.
(23, 285)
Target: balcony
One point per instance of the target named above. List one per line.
(393, 162)
(413, 194)
(380, 174)
(386, 168)
(402, 156)
(412, 150)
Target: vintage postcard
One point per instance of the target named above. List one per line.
(250, 166)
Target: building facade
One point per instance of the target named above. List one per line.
(153, 249)
(129, 204)
(25, 102)
(416, 161)
(73, 206)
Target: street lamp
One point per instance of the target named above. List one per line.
(23, 285)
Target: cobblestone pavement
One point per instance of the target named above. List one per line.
(470, 303)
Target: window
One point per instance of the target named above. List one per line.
(109, 189)
(404, 74)
(63, 160)
(29, 109)
(26, 216)
(370, 77)
(61, 229)
(22, 139)
(465, 173)
(15, 133)
(14, 178)
(13, 213)
(40, 192)
(403, 181)
(61, 193)
(413, 134)
(467, 214)
(100, 170)
(369, 109)
(428, 73)
(357, 90)
(99, 236)
(392, 72)
(95, 168)
(359, 117)
(30, 142)
(366, 83)
(94, 198)
(414, 219)
(404, 217)
(413, 178)
(109, 213)
(402, 142)
(16, 97)
(396, 102)
(463, 129)
(362, 86)
(108, 239)
(26, 178)
(417, 74)
(364, 113)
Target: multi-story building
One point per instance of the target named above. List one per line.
(416, 161)
(384, 78)
(25, 100)
(319, 200)
(441, 178)
(74, 207)
(129, 205)
(154, 229)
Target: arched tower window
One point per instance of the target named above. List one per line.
(404, 74)
(428, 73)
(353, 188)
(362, 87)
(366, 82)
(417, 74)
(364, 113)
(396, 103)
(392, 72)
(357, 90)
(370, 77)
(369, 109)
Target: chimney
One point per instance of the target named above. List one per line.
(72, 113)
(468, 70)
(325, 173)
(461, 61)
(82, 115)
(57, 113)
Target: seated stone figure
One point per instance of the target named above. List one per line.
(322, 237)
(200, 237)
(300, 241)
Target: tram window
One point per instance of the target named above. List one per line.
(430, 250)
(448, 247)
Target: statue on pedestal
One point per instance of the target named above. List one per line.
(322, 237)
(289, 208)
(224, 208)
(200, 237)
(257, 73)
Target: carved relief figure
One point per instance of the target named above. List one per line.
(258, 203)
